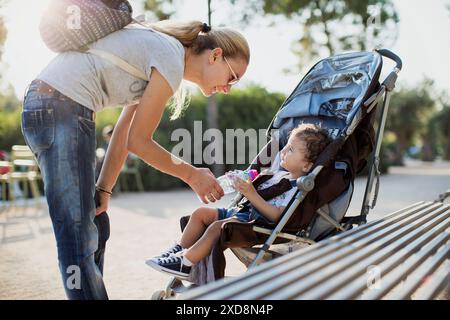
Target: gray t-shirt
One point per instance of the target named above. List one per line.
(97, 83)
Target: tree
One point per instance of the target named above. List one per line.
(430, 140)
(435, 136)
(409, 113)
(441, 127)
(328, 27)
(162, 9)
(10, 112)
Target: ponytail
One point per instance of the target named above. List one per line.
(200, 37)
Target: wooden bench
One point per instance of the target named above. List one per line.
(404, 255)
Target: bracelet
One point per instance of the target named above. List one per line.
(103, 190)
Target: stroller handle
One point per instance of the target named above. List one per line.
(389, 54)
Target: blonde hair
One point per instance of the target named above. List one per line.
(190, 34)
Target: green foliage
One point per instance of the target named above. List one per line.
(328, 27)
(409, 110)
(409, 113)
(104, 118)
(410, 117)
(432, 147)
(249, 108)
(252, 107)
(10, 132)
(441, 129)
(10, 111)
(162, 9)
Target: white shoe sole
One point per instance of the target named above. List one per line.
(157, 267)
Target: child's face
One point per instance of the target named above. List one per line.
(293, 157)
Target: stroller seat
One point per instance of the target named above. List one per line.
(341, 93)
(320, 229)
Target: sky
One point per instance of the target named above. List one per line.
(423, 43)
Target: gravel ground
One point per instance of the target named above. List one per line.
(142, 224)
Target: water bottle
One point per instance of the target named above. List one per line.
(226, 181)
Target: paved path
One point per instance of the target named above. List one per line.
(143, 224)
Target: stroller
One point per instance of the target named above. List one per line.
(341, 93)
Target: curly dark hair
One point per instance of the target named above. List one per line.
(315, 137)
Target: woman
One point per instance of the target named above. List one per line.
(58, 125)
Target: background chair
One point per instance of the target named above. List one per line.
(130, 167)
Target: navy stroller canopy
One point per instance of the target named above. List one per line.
(331, 93)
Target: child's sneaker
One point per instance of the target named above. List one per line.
(172, 265)
(171, 251)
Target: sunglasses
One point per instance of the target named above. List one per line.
(235, 77)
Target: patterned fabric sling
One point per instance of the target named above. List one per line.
(71, 25)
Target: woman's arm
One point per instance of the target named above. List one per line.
(140, 141)
(117, 151)
(147, 118)
(116, 154)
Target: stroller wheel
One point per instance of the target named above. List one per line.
(159, 295)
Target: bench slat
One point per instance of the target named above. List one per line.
(341, 272)
(308, 254)
(398, 261)
(439, 282)
(337, 267)
(415, 279)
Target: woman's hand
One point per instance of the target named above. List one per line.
(243, 186)
(103, 202)
(204, 184)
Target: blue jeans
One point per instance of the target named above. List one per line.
(61, 134)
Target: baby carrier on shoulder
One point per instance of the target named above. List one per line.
(72, 25)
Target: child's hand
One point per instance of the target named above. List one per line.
(243, 186)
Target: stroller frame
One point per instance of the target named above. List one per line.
(306, 183)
